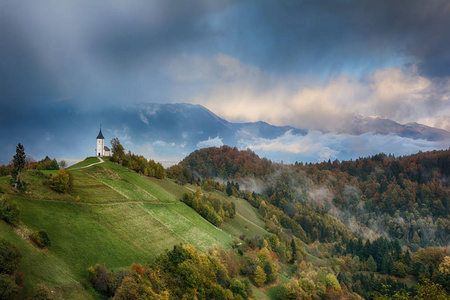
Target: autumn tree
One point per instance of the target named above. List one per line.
(118, 150)
(62, 181)
(260, 276)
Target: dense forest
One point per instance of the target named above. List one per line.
(405, 198)
(368, 217)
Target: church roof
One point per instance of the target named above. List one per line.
(106, 148)
(100, 135)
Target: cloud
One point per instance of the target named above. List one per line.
(251, 94)
(215, 142)
(336, 36)
(318, 146)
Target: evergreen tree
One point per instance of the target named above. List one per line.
(19, 165)
(229, 189)
(372, 265)
(294, 249)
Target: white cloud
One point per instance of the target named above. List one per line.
(215, 142)
(317, 146)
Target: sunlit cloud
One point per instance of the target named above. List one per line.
(242, 92)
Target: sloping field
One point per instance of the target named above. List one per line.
(141, 182)
(111, 216)
(88, 161)
(246, 221)
(169, 185)
(90, 189)
(189, 226)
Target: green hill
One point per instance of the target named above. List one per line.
(112, 216)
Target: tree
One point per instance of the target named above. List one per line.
(42, 292)
(372, 265)
(128, 290)
(400, 269)
(63, 164)
(260, 276)
(9, 211)
(19, 164)
(62, 181)
(229, 189)
(9, 288)
(9, 257)
(118, 151)
(294, 250)
(40, 238)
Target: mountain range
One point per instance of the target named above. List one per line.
(169, 132)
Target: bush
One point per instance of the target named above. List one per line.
(62, 181)
(8, 288)
(42, 292)
(9, 211)
(9, 257)
(40, 238)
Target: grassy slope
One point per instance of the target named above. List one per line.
(112, 216)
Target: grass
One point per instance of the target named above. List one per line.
(273, 292)
(246, 220)
(189, 226)
(141, 182)
(111, 216)
(89, 189)
(128, 189)
(79, 237)
(171, 186)
(84, 163)
(41, 266)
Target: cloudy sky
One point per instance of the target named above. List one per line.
(309, 64)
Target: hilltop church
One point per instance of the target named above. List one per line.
(101, 149)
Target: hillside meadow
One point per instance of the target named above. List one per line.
(111, 216)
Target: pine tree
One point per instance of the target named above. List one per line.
(372, 265)
(294, 250)
(19, 165)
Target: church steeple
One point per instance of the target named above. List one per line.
(100, 150)
(100, 135)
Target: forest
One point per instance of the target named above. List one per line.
(374, 220)
(372, 228)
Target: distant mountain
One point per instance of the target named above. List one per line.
(169, 132)
(192, 123)
(362, 124)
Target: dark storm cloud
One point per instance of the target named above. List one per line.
(51, 51)
(333, 35)
(119, 50)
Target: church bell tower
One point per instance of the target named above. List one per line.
(100, 151)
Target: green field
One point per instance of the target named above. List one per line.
(246, 221)
(112, 216)
(88, 161)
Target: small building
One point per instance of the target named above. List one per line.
(107, 151)
(101, 149)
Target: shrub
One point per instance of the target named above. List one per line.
(42, 292)
(62, 181)
(9, 211)
(9, 257)
(8, 288)
(40, 238)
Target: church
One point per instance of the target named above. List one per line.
(101, 149)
